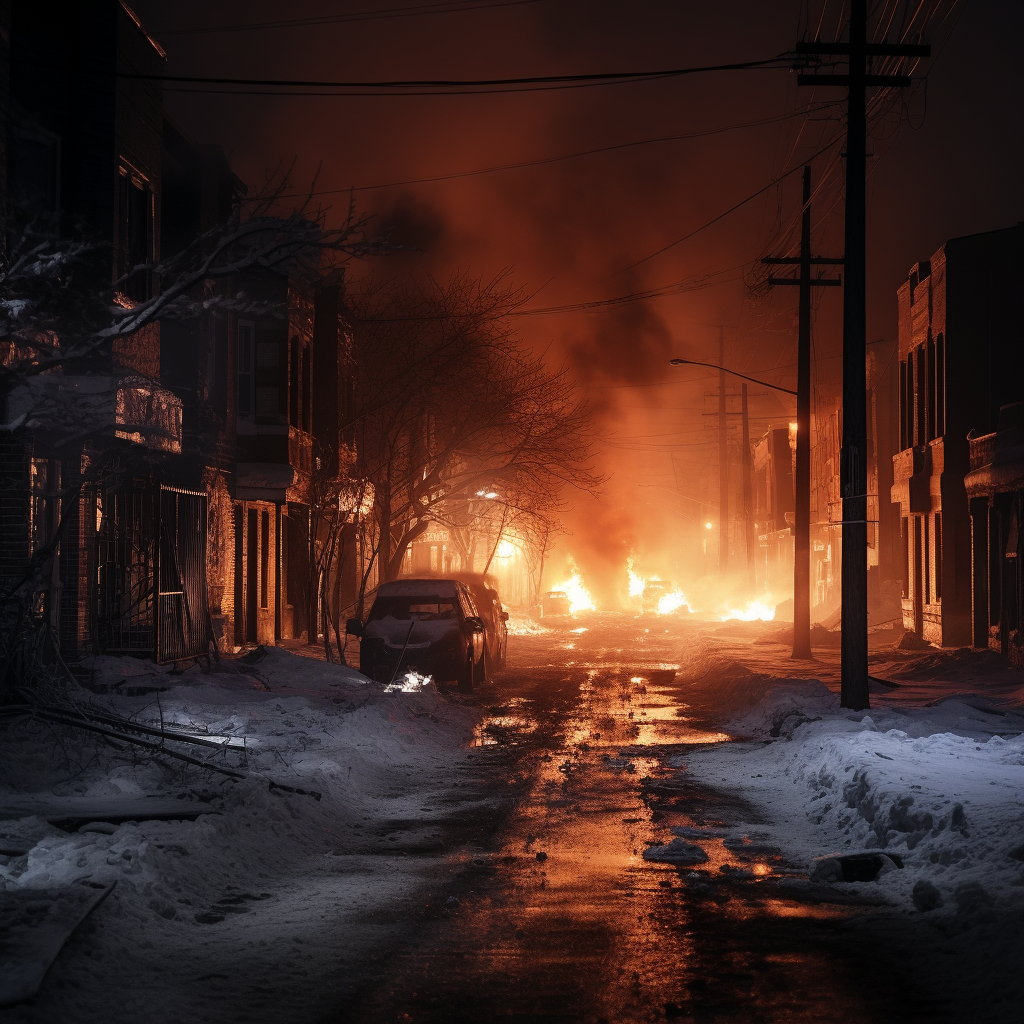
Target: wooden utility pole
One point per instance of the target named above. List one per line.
(723, 463)
(748, 511)
(853, 455)
(802, 517)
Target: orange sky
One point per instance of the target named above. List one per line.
(569, 229)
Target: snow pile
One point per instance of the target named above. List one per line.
(330, 764)
(941, 787)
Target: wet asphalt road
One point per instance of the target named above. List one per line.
(553, 915)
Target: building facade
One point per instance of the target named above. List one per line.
(961, 359)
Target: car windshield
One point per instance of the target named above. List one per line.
(414, 609)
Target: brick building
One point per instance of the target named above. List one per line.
(83, 143)
(961, 359)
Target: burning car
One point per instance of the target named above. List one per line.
(428, 626)
(654, 592)
(555, 602)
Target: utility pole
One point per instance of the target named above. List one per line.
(748, 511)
(723, 463)
(802, 516)
(853, 455)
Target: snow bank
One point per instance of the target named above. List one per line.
(940, 786)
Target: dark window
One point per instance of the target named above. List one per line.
(940, 386)
(921, 395)
(905, 534)
(930, 402)
(251, 573)
(33, 168)
(903, 406)
(307, 385)
(135, 235)
(246, 339)
(938, 556)
(910, 405)
(265, 559)
(293, 383)
(927, 585)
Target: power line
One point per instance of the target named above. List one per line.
(541, 161)
(732, 209)
(385, 14)
(402, 87)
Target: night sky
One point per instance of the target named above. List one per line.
(569, 229)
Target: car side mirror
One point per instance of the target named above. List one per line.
(504, 616)
(475, 624)
(354, 627)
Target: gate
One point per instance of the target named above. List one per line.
(182, 604)
(125, 555)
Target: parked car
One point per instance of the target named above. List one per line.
(430, 626)
(484, 589)
(555, 602)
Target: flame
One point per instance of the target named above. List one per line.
(579, 597)
(636, 583)
(673, 602)
(755, 610)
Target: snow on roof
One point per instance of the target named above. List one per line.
(418, 588)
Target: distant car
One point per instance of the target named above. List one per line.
(654, 591)
(555, 602)
(430, 626)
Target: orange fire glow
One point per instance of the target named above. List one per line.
(673, 602)
(579, 597)
(755, 610)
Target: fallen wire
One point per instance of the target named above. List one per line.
(86, 722)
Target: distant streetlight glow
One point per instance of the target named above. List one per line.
(707, 526)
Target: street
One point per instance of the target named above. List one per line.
(557, 916)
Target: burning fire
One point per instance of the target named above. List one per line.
(673, 602)
(579, 597)
(755, 610)
(636, 583)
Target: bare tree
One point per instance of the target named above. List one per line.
(455, 406)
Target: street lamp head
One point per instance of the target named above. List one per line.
(678, 362)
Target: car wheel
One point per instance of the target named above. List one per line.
(466, 676)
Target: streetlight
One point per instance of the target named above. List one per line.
(734, 373)
(801, 529)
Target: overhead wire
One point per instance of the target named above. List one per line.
(382, 14)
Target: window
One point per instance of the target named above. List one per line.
(919, 395)
(307, 387)
(907, 569)
(903, 406)
(293, 383)
(135, 235)
(930, 402)
(926, 589)
(33, 168)
(940, 386)
(265, 559)
(246, 341)
(938, 556)
(908, 405)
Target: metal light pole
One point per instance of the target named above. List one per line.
(722, 371)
